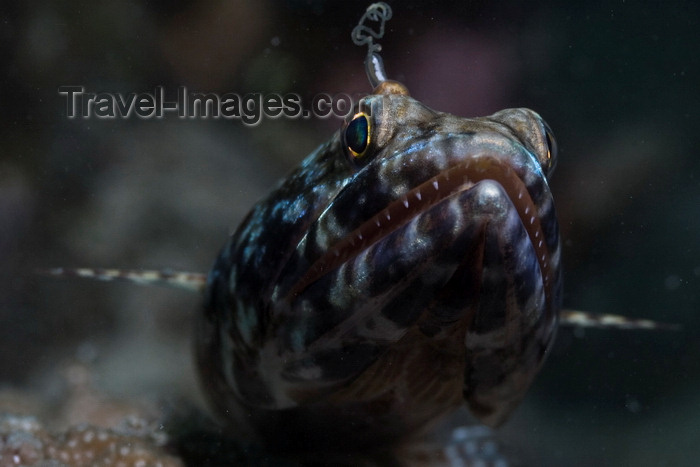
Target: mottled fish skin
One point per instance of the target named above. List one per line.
(365, 298)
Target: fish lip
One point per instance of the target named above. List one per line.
(459, 177)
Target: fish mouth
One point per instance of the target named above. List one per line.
(452, 181)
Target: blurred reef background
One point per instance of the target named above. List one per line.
(618, 82)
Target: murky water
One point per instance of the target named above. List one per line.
(616, 82)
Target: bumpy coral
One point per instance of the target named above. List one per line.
(83, 428)
(25, 441)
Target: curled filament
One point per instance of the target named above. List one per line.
(362, 34)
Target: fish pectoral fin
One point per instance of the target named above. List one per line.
(585, 319)
(190, 281)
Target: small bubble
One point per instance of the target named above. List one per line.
(275, 41)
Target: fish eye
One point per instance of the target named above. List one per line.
(357, 135)
(552, 148)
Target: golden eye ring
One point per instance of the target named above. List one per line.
(357, 135)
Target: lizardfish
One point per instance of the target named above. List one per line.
(408, 266)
